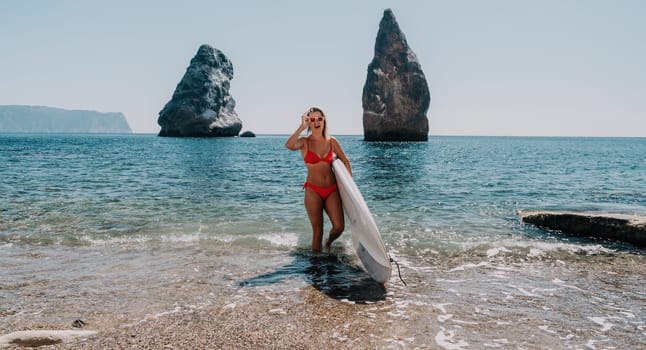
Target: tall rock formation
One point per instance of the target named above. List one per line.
(201, 105)
(395, 96)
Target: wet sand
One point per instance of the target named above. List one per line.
(222, 299)
(309, 320)
(190, 306)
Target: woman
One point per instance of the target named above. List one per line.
(321, 192)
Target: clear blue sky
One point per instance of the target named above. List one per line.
(550, 68)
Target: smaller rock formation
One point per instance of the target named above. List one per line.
(248, 134)
(395, 96)
(201, 105)
(619, 227)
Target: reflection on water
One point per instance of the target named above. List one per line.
(330, 274)
(394, 166)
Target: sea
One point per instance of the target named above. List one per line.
(111, 228)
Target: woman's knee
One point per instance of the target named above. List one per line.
(338, 228)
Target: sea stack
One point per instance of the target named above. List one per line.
(396, 97)
(201, 105)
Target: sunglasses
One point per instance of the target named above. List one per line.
(313, 119)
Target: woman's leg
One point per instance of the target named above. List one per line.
(334, 211)
(314, 207)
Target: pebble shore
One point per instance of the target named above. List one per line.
(312, 321)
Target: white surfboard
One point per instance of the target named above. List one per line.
(365, 234)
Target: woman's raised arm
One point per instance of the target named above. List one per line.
(294, 142)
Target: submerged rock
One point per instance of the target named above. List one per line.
(37, 338)
(395, 96)
(248, 134)
(619, 227)
(201, 105)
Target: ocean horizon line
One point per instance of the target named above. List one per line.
(341, 134)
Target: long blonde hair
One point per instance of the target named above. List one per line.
(309, 129)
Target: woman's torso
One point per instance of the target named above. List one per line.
(318, 156)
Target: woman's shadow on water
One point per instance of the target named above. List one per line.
(329, 274)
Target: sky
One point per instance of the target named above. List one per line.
(494, 68)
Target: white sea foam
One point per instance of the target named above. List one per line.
(627, 314)
(591, 344)
(276, 239)
(546, 328)
(177, 309)
(115, 241)
(643, 329)
(538, 248)
(444, 318)
(534, 252)
(450, 281)
(524, 292)
(281, 239)
(497, 250)
(567, 337)
(621, 310)
(604, 322)
(504, 268)
(441, 307)
(445, 339)
(454, 291)
(182, 238)
(496, 343)
(572, 248)
(397, 314)
(469, 266)
(465, 322)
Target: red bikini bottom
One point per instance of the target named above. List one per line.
(323, 192)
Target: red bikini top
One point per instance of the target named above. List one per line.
(313, 158)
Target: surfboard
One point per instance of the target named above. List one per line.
(366, 239)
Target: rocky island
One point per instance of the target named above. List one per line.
(201, 105)
(396, 97)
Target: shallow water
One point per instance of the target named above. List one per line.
(87, 220)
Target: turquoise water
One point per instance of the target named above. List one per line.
(446, 210)
(451, 190)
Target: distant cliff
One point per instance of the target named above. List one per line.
(58, 120)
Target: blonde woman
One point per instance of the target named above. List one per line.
(318, 149)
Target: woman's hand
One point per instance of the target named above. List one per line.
(294, 142)
(305, 120)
